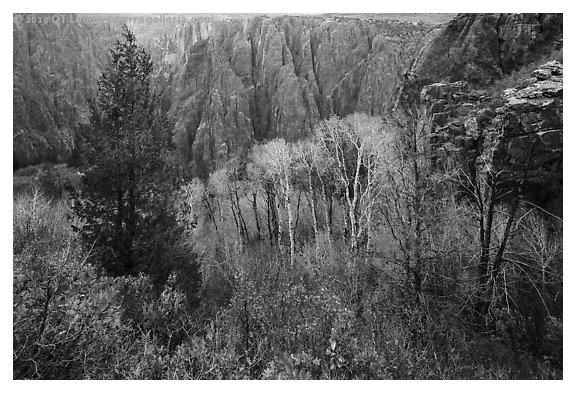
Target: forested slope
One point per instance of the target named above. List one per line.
(286, 234)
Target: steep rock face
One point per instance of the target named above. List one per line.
(225, 83)
(54, 76)
(485, 110)
(283, 107)
(518, 131)
(228, 83)
(216, 115)
(233, 82)
(481, 48)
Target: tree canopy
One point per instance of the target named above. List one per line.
(125, 200)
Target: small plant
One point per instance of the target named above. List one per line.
(53, 182)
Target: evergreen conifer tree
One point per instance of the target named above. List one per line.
(129, 219)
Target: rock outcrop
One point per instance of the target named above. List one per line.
(225, 82)
(54, 74)
(482, 48)
(486, 111)
(517, 131)
(233, 82)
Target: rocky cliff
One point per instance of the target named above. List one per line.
(233, 82)
(482, 48)
(225, 82)
(501, 110)
(54, 76)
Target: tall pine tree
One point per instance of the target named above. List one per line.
(129, 219)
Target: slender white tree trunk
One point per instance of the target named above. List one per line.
(290, 218)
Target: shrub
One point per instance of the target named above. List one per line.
(53, 182)
(66, 319)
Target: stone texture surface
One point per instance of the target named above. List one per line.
(481, 48)
(485, 109)
(518, 131)
(234, 82)
(55, 68)
(228, 83)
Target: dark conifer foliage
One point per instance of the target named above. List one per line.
(125, 198)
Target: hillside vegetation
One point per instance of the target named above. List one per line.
(276, 284)
(298, 197)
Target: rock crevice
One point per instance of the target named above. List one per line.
(295, 71)
(516, 132)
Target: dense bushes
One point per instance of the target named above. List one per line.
(252, 283)
(66, 318)
(336, 315)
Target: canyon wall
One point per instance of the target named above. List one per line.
(482, 48)
(492, 89)
(233, 82)
(55, 69)
(227, 83)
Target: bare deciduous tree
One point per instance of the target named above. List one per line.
(277, 162)
(351, 146)
(410, 203)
